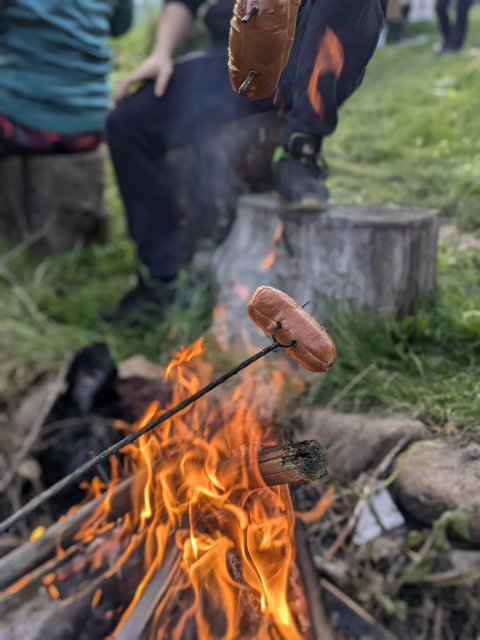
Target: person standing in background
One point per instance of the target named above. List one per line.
(54, 68)
(453, 35)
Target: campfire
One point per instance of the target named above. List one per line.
(193, 536)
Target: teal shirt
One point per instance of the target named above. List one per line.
(55, 61)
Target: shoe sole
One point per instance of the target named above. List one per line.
(307, 205)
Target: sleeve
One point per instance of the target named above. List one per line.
(193, 5)
(122, 18)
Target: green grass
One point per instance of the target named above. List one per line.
(427, 365)
(409, 135)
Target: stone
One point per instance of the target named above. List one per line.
(355, 442)
(437, 478)
(55, 200)
(380, 257)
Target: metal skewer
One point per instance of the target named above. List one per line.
(247, 82)
(248, 16)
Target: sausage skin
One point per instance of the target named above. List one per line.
(315, 350)
(261, 45)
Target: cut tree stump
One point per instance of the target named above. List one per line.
(209, 177)
(382, 257)
(52, 200)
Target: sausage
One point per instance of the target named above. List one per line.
(315, 350)
(261, 36)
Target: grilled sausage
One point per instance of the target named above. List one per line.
(261, 36)
(314, 349)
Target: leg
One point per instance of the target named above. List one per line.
(337, 41)
(140, 131)
(333, 44)
(441, 7)
(460, 30)
(134, 135)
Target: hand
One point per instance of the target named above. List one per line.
(156, 67)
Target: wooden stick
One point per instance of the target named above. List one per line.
(281, 464)
(139, 619)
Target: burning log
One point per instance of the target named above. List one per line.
(277, 465)
(281, 464)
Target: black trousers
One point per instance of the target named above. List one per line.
(453, 35)
(199, 98)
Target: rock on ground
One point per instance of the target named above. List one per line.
(439, 478)
(355, 442)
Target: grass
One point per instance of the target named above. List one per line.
(407, 136)
(410, 134)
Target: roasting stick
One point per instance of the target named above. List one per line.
(271, 310)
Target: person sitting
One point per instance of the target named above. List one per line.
(182, 102)
(54, 67)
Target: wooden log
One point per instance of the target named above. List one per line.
(85, 604)
(280, 464)
(56, 199)
(30, 555)
(382, 257)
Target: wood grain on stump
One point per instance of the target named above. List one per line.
(382, 257)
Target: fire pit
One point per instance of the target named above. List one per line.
(193, 536)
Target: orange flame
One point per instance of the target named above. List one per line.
(272, 254)
(322, 506)
(37, 533)
(329, 59)
(178, 496)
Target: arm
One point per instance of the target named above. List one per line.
(176, 22)
(122, 18)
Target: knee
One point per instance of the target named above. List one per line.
(130, 115)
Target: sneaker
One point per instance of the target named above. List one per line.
(143, 299)
(299, 175)
(439, 48)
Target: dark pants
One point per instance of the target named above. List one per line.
(199, 99)
(454, 35)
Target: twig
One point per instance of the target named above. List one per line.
(367, 491)
(36, 428)
(28, 242)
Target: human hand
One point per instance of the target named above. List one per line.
(156, 67)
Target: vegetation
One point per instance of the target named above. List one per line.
(407, 136)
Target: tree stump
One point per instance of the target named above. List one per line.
(382, 257)
(56, 198)
(209, 177)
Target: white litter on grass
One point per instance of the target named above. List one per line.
(369, 526)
